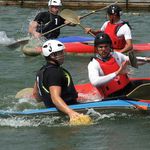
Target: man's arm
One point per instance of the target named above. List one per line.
(35, 93)
(128, 46)
(60, 104)
(32, 29)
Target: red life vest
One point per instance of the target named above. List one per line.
(118, 82)
(111, 30)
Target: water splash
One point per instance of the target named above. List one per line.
(30, 121)
(4, 40)
(29, 19)
(53, 120)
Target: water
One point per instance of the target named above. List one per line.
(110, 131)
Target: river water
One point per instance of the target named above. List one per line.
(110, 131)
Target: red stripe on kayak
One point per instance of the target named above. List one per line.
(78, 47)
(141, 47)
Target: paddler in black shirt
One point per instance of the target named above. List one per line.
(54, 85)
(46, 21)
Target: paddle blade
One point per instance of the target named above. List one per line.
(133, 59)
(19, 42)
(81, 120)
(24, 93)
(70, 16)
(141, 92)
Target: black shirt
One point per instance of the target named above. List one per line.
(54, 75)
(48, 21)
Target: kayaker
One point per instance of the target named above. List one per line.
(48, 20)
(118, 30)
(108, 71)
(54, 85)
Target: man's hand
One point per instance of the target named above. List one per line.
(87, 30)
(37, 34)
(123, 68)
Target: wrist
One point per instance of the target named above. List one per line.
(117, 73)
(34, 32)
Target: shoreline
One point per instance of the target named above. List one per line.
(79, 4)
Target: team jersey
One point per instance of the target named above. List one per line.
(54, 75)
(48, 21)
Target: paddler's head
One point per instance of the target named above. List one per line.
(53, 51)
(103, 44)
(54, 6)
(113, 13)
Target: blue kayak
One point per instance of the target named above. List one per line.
(71, 39)
(116, 104)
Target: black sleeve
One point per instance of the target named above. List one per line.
(39, 17)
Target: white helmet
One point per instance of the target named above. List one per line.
(54, 3)
(52, 46)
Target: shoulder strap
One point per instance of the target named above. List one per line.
(121, 24)
(127, 22)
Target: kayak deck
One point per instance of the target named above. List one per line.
(116, 104)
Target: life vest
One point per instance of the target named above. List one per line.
(118, 82)
(68, 92)
(111, 30)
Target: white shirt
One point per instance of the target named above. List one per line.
(96, 74)
(123, 30)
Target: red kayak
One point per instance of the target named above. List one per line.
(141, 47)
(78, 47)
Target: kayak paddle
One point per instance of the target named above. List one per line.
(72, 17)
(133, 60)
(141, 92)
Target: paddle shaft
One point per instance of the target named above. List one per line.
(94, 11)
(84, 28)
(55, 29)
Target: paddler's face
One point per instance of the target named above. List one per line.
(54, 9)
(103, 50)
(113, 18)
(58, 56)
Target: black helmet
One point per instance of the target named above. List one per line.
(114, 9)
(102, 38)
